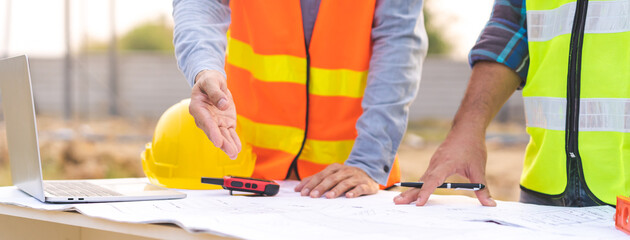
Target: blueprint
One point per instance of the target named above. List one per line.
(290, 216)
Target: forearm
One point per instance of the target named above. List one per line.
(490, 86)
(463, 152)
(399, 47)
(200, 36)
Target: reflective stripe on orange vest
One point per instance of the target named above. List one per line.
(267, 66)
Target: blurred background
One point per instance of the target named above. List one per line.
(103, 71)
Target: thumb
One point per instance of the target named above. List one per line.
(484, 197)
(213, 85)
(484, 194)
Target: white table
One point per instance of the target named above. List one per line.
(29, 223)
(290, 216)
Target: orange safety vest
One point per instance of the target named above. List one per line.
(296, 106)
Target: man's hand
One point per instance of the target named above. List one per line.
(336, 180)
(464, 150)
(212, 107)
(461, 153)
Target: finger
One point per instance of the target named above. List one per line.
(342, 186)
(329, 182)
(317, 178)
(300, 186)
(236, 140)
(214, 134)
(204, 120)
(433, 178)
(223, 86)
(484, 194)
(427, 189)
(407, 196)
(484, 197)
(314, 180)
(229, 147)
(308, 189)
(360, 190)
(212, 88)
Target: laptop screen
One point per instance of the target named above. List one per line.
(19, 117)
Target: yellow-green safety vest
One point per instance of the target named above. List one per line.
(577, 98)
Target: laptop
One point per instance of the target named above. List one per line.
(21, 129)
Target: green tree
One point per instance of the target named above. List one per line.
(149, 36)
(154, 35)
(437, 44)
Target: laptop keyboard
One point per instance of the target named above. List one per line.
(77, 189)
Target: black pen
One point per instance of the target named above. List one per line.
(456, 186)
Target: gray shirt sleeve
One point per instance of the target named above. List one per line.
(200, 35)
(399, 46)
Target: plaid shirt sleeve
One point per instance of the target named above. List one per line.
(504, 38)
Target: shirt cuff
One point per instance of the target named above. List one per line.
(380, 174)
(200, 64)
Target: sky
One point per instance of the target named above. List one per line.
(461, 21)
(36, 27)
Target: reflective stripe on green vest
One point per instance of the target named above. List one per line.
(603, 123)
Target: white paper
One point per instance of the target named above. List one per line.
(290, 216)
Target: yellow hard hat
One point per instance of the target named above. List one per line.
(181, 153)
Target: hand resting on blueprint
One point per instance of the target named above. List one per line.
(464, 150)
(212, 106)
(458, 154)
(338, 179)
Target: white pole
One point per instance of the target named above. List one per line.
(113, 62)
(67, 84)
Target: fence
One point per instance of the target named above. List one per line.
(150, 82)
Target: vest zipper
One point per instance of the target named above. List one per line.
(293, 166)
(575, 173)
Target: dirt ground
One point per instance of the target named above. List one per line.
(111, 148)
(95, 149)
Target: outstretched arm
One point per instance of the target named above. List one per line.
(200, 42)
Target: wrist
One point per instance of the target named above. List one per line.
(199, 75)
(468, 129)
(206, 73)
